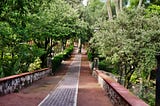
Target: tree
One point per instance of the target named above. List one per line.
(129, 42)
(58, 24)
(140, 3)
(116, 2)
(15, 47)
(108, 4)
(121, 5)
(30, 29)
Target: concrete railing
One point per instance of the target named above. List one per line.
(118, 95)
(16, 82)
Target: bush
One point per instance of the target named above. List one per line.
(90, 56)
(102, 65)
(56, 61)
(66, 53)
(35, 65)
(107, 66)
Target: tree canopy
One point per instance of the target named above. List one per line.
(126, 45)
(124, 34)
(31, 29)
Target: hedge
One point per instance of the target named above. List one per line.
(56, 60)
(107, 66)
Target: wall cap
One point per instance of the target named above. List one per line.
(121, 90)
(20, 75)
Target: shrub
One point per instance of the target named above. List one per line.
(56, 60)
(35, 65)
(90, 56)
(67, 52)
(107, 66)
(102, 65)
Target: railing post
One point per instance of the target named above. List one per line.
(158, 80)
(95, 63)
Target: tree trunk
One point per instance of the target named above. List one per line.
(122, 69)
(141, 87)
(2, 55)
(44, 60)
(108, 3)
(128, 77)
(44, 56)
(121, 5)
(63, 44)
(79, 45)
(116, 6)
(140, 3)
(120, 74)
(51, 44)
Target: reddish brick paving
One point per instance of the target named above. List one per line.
(33, 95)
(90, 93)
(66, 92)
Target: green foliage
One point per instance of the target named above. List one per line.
(35, 65)
(90, 56)
(16, 54)
(134, 3)
(150, 97)
(94, 11)
(67, 52)
(31, 29)
(107, 66)
(56, 60)
(103, 65)
(153, 9)
(156, 2)
(1, 72)
(130, 42)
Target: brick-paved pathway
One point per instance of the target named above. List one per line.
(78, 87)
(66, 92)
(89, 91)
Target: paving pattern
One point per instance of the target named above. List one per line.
(66, 92)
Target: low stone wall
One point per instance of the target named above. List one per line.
(118, 95)
(16, 82)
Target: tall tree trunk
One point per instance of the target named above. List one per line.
(79, 45)
(63, 45)
(44, 60)
(108, 3)
(141, 87)
(2, 55)
(51, 45)
(44, 56)
(140, 3)
(121, 5)
(120, 69)
(116, 2)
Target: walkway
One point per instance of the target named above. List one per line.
(73, 85)
(66, 92)
(87, 89)
(90, 93)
